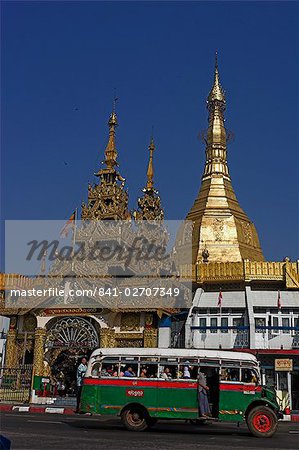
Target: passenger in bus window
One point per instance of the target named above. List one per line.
(249, 376)
(166, 375)
(233, 374)
(95, 370)
(179, 373)
(115, 370)
(224, 374)
(186, 372)
(129, 372)
(143, 372)
(106, 371)
(122, 370)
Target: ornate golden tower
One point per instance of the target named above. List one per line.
(149, 205)
(108, 199)
(222, 229)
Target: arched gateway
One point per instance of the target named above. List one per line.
(72, 332)
(68, 339)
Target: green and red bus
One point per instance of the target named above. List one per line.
(143, 385)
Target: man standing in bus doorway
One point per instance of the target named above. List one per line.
(202, 393)
(80, 375)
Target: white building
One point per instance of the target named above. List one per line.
(255, 321)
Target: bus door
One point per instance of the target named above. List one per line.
(210, 368)
(177, 391)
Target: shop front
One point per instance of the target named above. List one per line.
(280, 370)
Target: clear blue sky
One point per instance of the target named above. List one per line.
(60, 57)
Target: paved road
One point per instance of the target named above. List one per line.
(53, 431)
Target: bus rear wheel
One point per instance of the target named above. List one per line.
(135, 419)
(262, 421)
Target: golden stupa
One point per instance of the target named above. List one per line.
(221, 229)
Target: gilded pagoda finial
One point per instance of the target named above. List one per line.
(111, 152)
(222, 230)
(150, 168)
(216, 162)
(149, 205)
(108, 199)
(217, 92)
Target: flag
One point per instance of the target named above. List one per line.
(219, 304)
(278, 300)
(68, 225)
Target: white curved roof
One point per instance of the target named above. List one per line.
(177, 353)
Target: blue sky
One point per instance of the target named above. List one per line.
(62, 60)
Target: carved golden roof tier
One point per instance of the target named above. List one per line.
(248, 271)
(14, 281)
(222, 230)
(292, 277)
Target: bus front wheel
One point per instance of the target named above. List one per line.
(262, 421)
(135, 419)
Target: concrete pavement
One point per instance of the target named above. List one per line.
(33, 431)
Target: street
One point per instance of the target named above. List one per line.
(54, 431)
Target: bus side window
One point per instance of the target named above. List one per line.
(188, 369)
(95, 371)
(230, 374)
(168, 369)
(107, 370)
(249, 376)
(116, 372)
(109, 367)
(129, 367)
(148, 367)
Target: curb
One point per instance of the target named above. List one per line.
(69, 411)
(36, 409)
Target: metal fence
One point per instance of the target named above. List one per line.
(15, 383)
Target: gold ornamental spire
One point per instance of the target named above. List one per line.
(150, 168)
(216, 162)
(217, 92)
(108, 199)
(222, 231)
(149, 205)
(111, 152)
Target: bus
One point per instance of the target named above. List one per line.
(143, 385)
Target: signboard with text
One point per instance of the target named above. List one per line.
(284, 365)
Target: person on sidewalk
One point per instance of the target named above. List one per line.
(80, 375)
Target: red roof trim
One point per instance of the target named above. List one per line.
(271, 351)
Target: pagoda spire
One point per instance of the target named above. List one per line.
(111, 152)
(108, 199)
(109, 173)
(217, 92)
(222, 230)
(150, 168)
(216, 153)
(149, 205)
